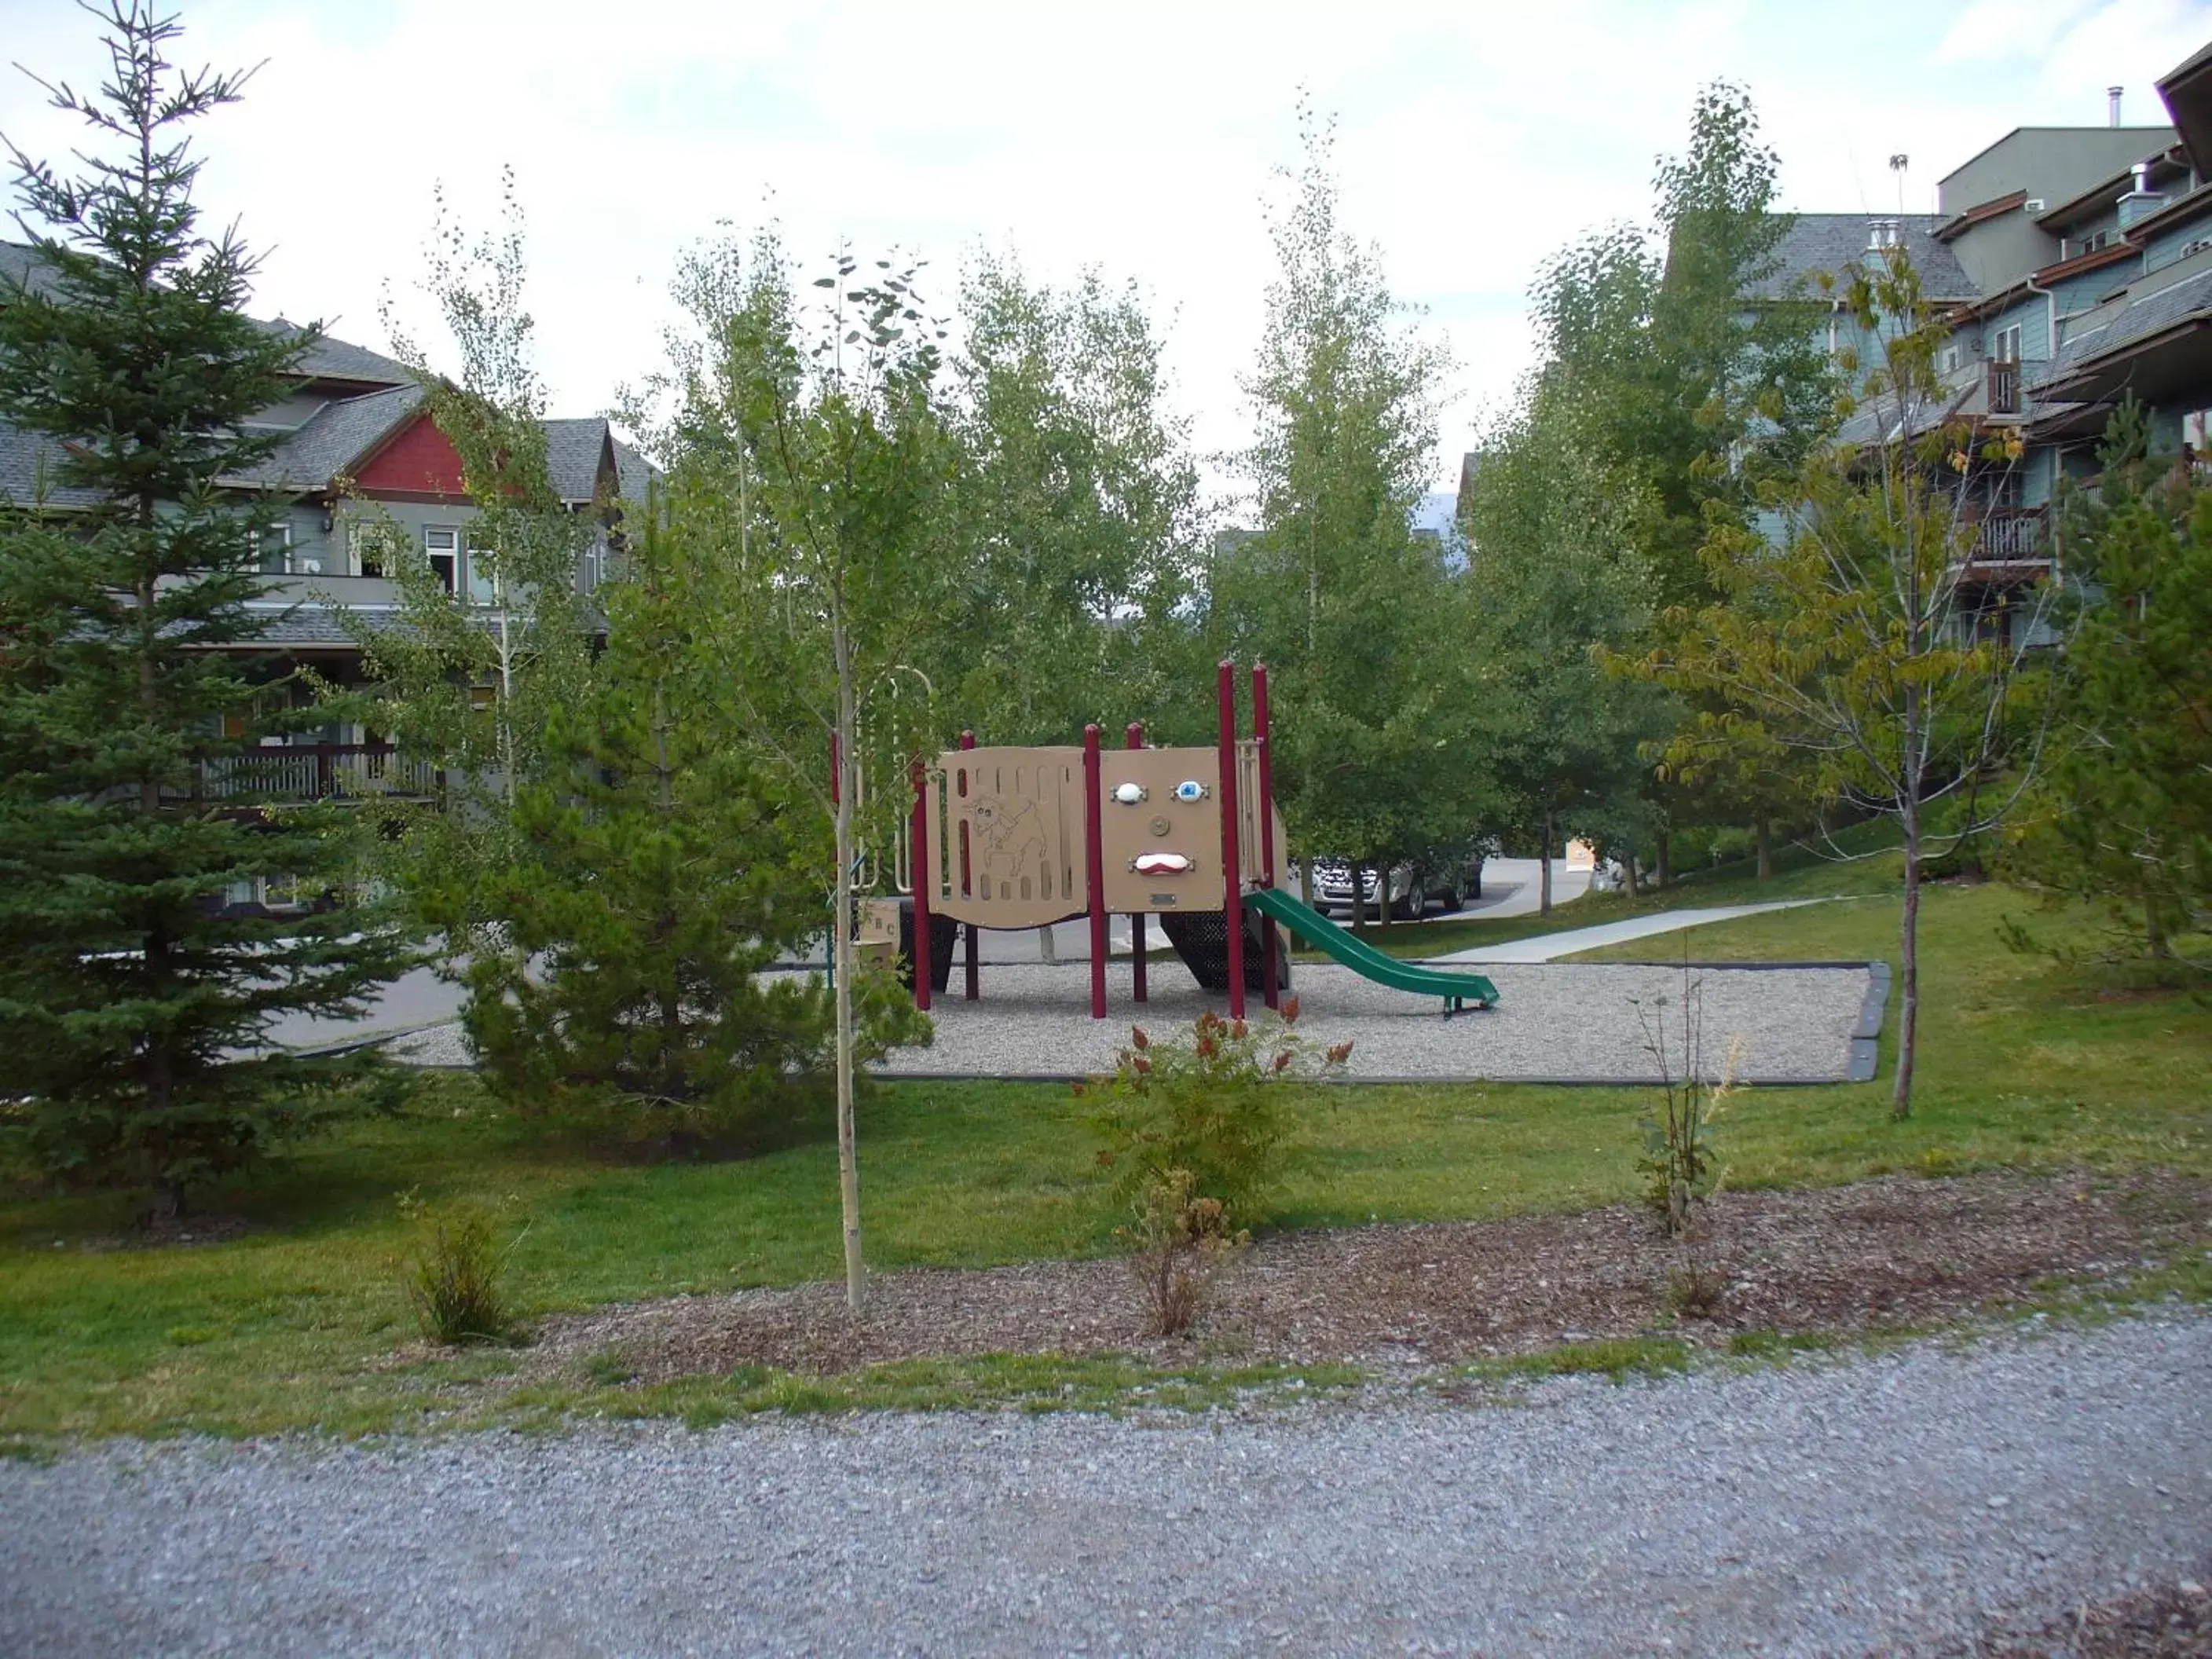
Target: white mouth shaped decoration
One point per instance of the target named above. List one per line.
(1130, 793)
(1161, 863)
(1190, 789)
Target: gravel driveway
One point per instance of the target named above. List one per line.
(1904, 1503)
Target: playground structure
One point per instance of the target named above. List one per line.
(1009, 837)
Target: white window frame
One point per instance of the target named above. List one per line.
(454, 575)
(280, 534)
(2005, 346)
(372, 541)
(480, 589)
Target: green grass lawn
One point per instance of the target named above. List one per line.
(300, 1323)
(1798, 873)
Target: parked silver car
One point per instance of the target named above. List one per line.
(1448, 879)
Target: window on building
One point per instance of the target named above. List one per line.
(371, 548)
(272, 549)
(483, 589)
(441, 545)
(483, 698)
(2005, 347)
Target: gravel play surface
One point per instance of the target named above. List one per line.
(1567, 1022)
(1908, 1504)
(1554, 1022)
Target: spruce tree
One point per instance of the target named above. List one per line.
(2123, 812)
(655, 870)
(132, 1008)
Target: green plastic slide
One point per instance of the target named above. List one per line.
(1458, 990)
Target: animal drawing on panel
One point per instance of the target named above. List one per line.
(1011, 844)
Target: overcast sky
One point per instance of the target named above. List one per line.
(1140, 137)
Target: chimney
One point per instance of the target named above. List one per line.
(2141, 202)
(2113, 106)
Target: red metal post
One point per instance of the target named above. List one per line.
(1135, 739)
(1094, 839)
(967, 928)
(1270, 944)
(1232, 902)
(921, 886)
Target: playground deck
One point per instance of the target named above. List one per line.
(1561, 1023)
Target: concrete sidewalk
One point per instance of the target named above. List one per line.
(1549, 947)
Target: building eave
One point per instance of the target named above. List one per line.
(2196, 205)
(1975, 215)
(2105, 191)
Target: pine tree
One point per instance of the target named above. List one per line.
(2123, 812)
(657, 869)
(131, 1006)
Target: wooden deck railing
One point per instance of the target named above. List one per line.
(2011, 544)
(2007, 534)
(2004, 387)
(317, 771)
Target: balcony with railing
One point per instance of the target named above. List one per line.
(2011, 544)
(2003, 384)
(318, 771)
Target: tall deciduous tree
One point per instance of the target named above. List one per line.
(476, 671)
(810, 464)
(132, 1000)
(1855, 640)
(1554, 574)
(1349, 607)
(1692, 373)
(1691, 368)
(1076, 511)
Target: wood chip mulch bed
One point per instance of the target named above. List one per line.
(2168, 1620)
(1885, 1252)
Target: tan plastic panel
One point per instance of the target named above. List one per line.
(1160, 824)
(1011, 852)
(1248, 816)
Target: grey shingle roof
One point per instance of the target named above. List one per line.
(21, 456)
(338, 434)
(2129, 321)
(316, 625)
(334, 439)
(338, 360)
(573, 450)
(20, 265)
(636, 472)
(1876, 420)
(1838, 242)
(312, 624)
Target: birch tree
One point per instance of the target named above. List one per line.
(810, 465)
(1856, 638)
(1078, 512)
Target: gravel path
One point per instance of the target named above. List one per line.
(1904, 1503)
(1557, 1023)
